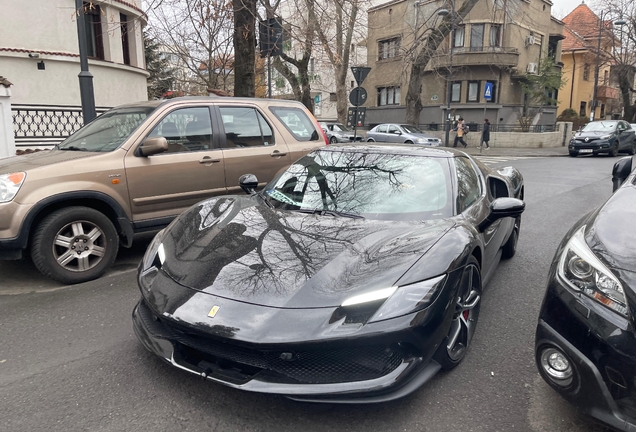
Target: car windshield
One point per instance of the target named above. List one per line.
(372, 185)
(337, 127)
(410, 129)
(108, 131)
(600, 126)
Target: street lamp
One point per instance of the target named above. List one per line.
(619, 22)
(87, 94)
(444, 12)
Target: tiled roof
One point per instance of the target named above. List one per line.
(53, 53)
(584, 22)
(573, 41)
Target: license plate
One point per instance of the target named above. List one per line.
(586, 151)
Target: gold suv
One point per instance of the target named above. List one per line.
(134, 169)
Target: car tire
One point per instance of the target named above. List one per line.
(370, 140)
(509, 249)
(333, 140)
(57, 236)
(453, 348)
(574, 154)
(614, 151)
(408, 142)
(632, 149)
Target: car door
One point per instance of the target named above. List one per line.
(249, 145)
(166, 184)
(624, 135)
(380, 133)
(394, 134)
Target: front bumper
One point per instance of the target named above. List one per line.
(594, 147)
(600, 348)
(249, 367)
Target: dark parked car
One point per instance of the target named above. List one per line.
(355, 275)
(339, 133)
(585, 337)
(605, 136)
(399, 133)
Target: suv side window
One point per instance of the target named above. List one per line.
(186, 129)
(468, 184)
(297, 123)
(245, 127)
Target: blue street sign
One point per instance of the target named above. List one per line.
(317, 99)
(488, 91)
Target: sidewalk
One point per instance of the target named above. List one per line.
(517, 151)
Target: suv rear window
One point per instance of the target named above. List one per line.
(297, 123)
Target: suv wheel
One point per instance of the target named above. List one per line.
(614, 151)
(74, 244)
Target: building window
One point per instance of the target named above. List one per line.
(495, 35)
(125, 42)
(458, 38)
(333, 97)
(456, 91)
(605, 78)
(94, 38)
(476, 37)
(388, 96)
(389, 48)
(473, 91)
(583, 109)
(586, 72)
(602, 111)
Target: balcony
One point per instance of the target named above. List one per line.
(604, 92)
(477, 56)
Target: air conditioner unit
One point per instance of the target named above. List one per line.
(531, 68)
(530, 40)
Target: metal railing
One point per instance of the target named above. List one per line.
(46, 125)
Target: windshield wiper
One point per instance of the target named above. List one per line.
(72, 148)
(330, 213)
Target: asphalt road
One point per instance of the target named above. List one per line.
(69, 360)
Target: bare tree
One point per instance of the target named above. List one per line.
(244, 47)
(200, 34)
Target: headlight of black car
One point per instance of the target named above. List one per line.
(606, 137)
(155, 254)
(390, 302)
(582, 271)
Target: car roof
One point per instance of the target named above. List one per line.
(396, 148)
(220, 99)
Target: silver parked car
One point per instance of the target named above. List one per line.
(401, 133)
(338, 133)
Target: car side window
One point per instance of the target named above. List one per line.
(381, 129)
(393, 129)
(297, 123)
(245, 127)
(186, 129)
(468, 184)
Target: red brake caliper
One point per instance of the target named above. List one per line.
(466, 313)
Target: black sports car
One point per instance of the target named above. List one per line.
(585, 337)
(355, 275)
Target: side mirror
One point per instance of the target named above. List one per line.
(502, 208)
(397, 132)
(249, 183)
(153, 145)
(622, 169)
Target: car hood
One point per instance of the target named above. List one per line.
(609, 234)
(39, 159)
(592, 134)
(240, 249)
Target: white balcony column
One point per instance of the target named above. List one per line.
(7, 139)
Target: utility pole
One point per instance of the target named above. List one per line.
(596, 67)
(87, 94)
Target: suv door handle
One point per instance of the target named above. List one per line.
(208, 160)
(276, 153)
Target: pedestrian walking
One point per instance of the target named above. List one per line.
(461, 131)
(485, 133)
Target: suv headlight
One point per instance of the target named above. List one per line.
(607, 136)
(10, 185)
(582, 271)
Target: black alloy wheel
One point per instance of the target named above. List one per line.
(614, 151)
(333, 140)
(74, 244)
(454, 347)
(632, 149)
(408, 142)
(509, 249)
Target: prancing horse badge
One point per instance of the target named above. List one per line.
(213, 311)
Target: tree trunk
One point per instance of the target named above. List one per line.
(244, 47)
(418, 68)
